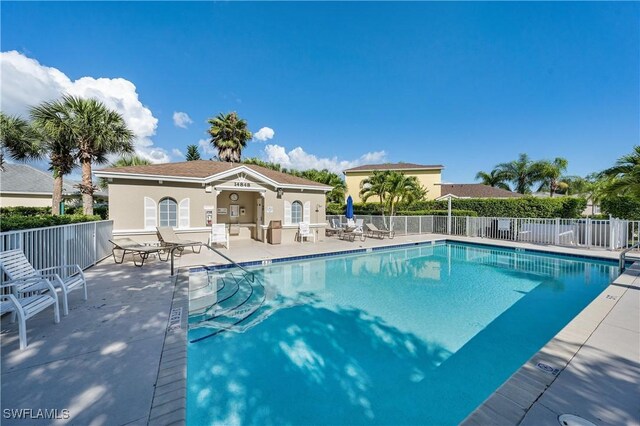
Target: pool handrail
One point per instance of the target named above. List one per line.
(623, 256)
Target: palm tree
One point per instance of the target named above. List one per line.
(550, 172)
(96, 131)
(130, 160)
(402, 188)
(229, 135)
(375, 186)
(624, 177)
(523, 173)
(494, 178)
(192, 153)
(324, 176)
(17, 138)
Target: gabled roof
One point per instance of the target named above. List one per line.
(206, 171)
(394, 166)
(24, 179)
(475, 190)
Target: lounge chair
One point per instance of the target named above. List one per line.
(373, 231)
(127, 245)
(333, 228)
(15, 264)
(219, 235)
(353, 229)
(305, 232)
(40, 295)
(167, 236)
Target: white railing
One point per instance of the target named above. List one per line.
(84, 244)
(611, 234)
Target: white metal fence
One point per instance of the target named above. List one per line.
(80, 243)
(612, 234)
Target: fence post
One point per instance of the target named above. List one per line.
(468, 227)
(406, 225)
(557, 236)
(95, 243)
(612, 233)
(587, 233)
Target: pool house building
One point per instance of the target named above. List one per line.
(191, 196)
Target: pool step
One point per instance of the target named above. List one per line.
(239, 305)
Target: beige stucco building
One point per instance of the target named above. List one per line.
(191, 196)
(429, 176)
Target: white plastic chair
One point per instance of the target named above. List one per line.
(219, 235)
(16, 265)
(40, 295)
(304, 231)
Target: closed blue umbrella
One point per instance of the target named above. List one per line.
(349, 212)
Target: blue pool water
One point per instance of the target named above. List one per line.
(418, 335)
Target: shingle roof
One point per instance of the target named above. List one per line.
(204, 168)
(394, 166)
(476, 190)
(22, 178)
(25, 179)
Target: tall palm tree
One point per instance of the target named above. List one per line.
(17, 139)
(96, 131)
(624, 177)
(229, 135)
(523, 173)
(57, 143)
(550, 172)
(494, 178)
(375, 186)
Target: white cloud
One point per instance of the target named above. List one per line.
(264, 134)
(206, 147)
(25, 82)
(298, 159)
(181, 119)
(177, 153)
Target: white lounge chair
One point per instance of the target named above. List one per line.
(40, 295)
(15, 264)
(167, 236)
(374, 231)
(219, 235)
(305, 232)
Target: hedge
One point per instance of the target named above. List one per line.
(622, 207)
(437, 213)
(563, 207)
(102, 211)
(12, 223)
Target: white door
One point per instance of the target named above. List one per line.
(259, 219)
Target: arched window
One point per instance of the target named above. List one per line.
(168, 208)
(296, 212)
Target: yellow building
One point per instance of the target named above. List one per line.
(429, 176)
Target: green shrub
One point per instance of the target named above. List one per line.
(437, 213)
(622, 207)
(563, 207)
(12, 223)
(25, 211)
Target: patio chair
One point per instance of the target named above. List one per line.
(15, 264)
(40, 295)
(219, 235)
(373, 231)
(305, 232)
(167, 236)
(127, 245)
(356, 229)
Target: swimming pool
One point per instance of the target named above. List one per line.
(417, 335)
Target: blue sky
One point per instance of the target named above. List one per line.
(466, 85)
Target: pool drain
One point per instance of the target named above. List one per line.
(547, 368)
(573, 420)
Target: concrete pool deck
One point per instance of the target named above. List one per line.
(105, 361)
